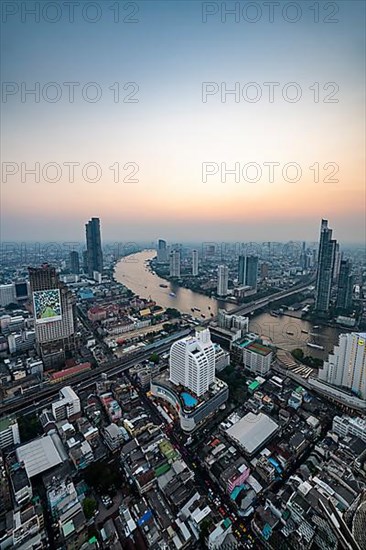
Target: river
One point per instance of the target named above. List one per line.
(133, 271)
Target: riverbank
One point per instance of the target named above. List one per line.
(286, 331)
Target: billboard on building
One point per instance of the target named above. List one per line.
(47, 305)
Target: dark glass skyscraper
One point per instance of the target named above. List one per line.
(326, 255)
(74, 262)
(94, 246)
(162, 251)
(345, 286)
(248, 270)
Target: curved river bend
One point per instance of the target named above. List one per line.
(133, 271)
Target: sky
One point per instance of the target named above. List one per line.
(155, 138)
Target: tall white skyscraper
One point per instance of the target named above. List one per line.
(175, 264)
(346, 366)
(222, 280)
(194, 263)
(192, 362)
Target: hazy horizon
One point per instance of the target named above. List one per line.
(162, 135)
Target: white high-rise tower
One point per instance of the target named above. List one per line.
(222, 280)
(346, 366)
(192, 362)
(175, 264)
(194, 263)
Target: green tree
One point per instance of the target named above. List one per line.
(154, 358)
(172, 313)
(89, 507)
(29, 427)
(298, 354)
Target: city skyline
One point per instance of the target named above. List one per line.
(177, 124)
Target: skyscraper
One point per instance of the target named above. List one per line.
(192, 362)
(54, 314)
(345, 286)
(346, 366)
(175, 264)
(248, 270)
(337, 262)
(194, 263)
(94, 246)
(74, 262)
(324, 277)
(162, 252)
(222, 280)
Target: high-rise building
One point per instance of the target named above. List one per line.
(162, 252)
(326, 254)
(85, 261)
(194, 263)
(94, 246)
(345, 286)
(346, 366)
(192, 362)
(54, 314)
(222, 280)
(303, 256)
(7, 295)
(337, 262)
(248, 271)
(264, 270)
(74, 262)
(175, 264)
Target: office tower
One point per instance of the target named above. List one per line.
(162, 252)
(337, 262)
(94, 246)
(194, 263)
(54, 315)
(7, 295)
(74, 262)
(248, 270)
(303, 257)
(264, 271)
(192, 362)
(175, 264)
(324, 277)
(346, 366)
(345, 286)
(85, 261)
(222, 280)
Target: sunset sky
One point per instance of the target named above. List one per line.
(170, 131)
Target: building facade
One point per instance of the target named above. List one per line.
(94, 246)
(54, 338)
(248, 271)
(324, 278)
(346, 366)
(162, 252)
(345, 286)
(74, 262)
(174, 264)
(194, 263)
(222, 280)
(192, 362)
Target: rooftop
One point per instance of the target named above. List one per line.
(259, 348)
(39, 455)
(252, 431)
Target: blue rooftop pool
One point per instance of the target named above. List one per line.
(188, 399)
